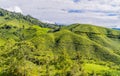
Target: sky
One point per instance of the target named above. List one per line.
(97, 12)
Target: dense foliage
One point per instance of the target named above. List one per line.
(27, 48)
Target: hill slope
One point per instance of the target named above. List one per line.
(28, 49)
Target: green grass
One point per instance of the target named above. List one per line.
(95, 68)
(28, 49)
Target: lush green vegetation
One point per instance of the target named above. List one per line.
(29, 47)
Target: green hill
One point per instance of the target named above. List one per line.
(29, 47)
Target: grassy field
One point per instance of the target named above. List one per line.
(29, 47)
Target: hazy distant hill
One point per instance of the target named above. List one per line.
(29, 47)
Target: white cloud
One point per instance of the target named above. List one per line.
(15, 9)
(46, 21)
(100, 12)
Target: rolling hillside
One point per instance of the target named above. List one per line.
(29, 47)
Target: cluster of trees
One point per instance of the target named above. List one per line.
(56, 50)
(12, 15)
(32, 55)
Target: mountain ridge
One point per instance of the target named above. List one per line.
(29, 47)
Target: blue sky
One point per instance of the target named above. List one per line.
(98, 12)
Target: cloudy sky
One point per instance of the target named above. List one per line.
(98, 12)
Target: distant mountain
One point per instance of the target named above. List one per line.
(15, 17)
(116, 28)
(29, 47)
